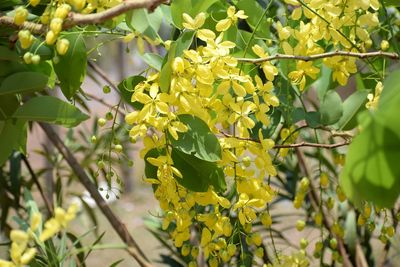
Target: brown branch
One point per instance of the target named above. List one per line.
(85, 19)
(323, 55)
(133, 248)
(35, 28)
(46, 201)
(301, 144)
(305, 144)
(97, 18)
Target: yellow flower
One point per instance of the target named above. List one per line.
(303, 68)
(193, 24)
(270, 70)
(232, 18)
(373, 101)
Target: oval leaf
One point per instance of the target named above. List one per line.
(52, 110)
(71, 69)
(23, 82)
(198, 141)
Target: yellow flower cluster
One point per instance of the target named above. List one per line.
(207, 82)
(20, 252)
(345, 24)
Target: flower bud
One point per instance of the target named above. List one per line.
(20, 15)
(51, 38)
(62, 46)
(56, 25)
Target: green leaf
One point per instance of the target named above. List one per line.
(116, 263)
(71, 69)
(331, 108)
(191, 7)
(391, 89)
(198, 141)
(52, 110)
(126, 88)
(392, 2)
(153, 60)
(324, 82)
(144, 22)
(176, 49)
(8, 105)
(23, 82)
(351, 106)
(372, 171)
(313, 119)
(255, 13)
(198, 174)
(298, 114)
(12, 134)
(7, 54)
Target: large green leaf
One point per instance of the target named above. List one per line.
(323, 83)
(144, 22)
(7, 54)
(351, 106)
(392, 2)
(176, 49)
(372, 171)
(8, 105)
(198, 141)
(197, 174)
(191, 7)
(12, 137)
(255, 13)
(153, 60)
(331, 108)
(71, 69)
(23, 82)
(391, 89)
(52, 110)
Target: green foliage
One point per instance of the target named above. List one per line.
(23, 82)
(71, 68)
(52, 110)
(372, 171)
(12, 137)
(198, 141)
(144, 22)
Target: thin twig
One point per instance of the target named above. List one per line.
(306, 144)
(47, 203)
(86, 19)
(133, 248)
(301, 144)
(319, 56)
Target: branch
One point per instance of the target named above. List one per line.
(133, 248)
(301, 144)
(74, 19)
(305, 144)
(47, 203)
(35, 28)
(319, 56)
(97, 18)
